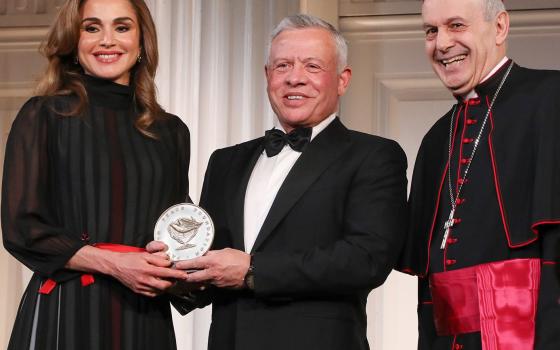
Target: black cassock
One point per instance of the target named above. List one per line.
(72, 181)
(509, 206)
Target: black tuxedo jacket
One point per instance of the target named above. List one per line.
(333, 234)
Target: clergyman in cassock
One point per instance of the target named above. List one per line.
(485, 197)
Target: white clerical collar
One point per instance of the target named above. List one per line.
(317, 128)
(472, 93)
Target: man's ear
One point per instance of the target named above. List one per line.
(502, 27)
(344, 80)
(268, 71)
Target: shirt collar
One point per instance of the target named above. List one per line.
(317, 128)
(322, 125)
(480, 89)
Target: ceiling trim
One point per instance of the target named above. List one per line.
(409, 26)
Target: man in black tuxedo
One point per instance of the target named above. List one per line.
(307, 223)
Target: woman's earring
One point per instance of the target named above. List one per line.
(76, 60)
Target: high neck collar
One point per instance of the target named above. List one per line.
(108, 93)
(489, 86)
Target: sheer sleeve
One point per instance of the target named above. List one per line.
(32, 233)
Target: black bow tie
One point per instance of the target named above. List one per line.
(275, 140)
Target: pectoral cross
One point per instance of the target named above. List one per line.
(447, 226)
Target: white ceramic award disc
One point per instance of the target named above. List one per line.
(187, 229)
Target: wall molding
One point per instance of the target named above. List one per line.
(17, 39)
(28, 13)
(392, 88)
(15, 90)
(379, 7)
(533, 22)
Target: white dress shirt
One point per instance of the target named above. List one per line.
(267, 177)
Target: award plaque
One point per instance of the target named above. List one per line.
(187, 229)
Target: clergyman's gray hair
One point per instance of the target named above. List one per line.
(302, 21)
(492, 8)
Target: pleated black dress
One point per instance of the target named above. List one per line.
(72, 181)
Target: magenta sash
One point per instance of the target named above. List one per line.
(498, 299)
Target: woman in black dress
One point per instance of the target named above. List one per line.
(90, 165)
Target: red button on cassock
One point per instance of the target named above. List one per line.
(467, 140)
(450, 262)
(471, 121)
(474, 101)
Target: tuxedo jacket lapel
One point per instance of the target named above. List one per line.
(316, 158)
(240, 173)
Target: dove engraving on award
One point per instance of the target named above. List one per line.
(183, 231)
(187, 230)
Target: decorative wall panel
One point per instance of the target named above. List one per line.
(22, 13)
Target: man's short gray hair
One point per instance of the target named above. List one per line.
(492, 8)
(302, 21)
